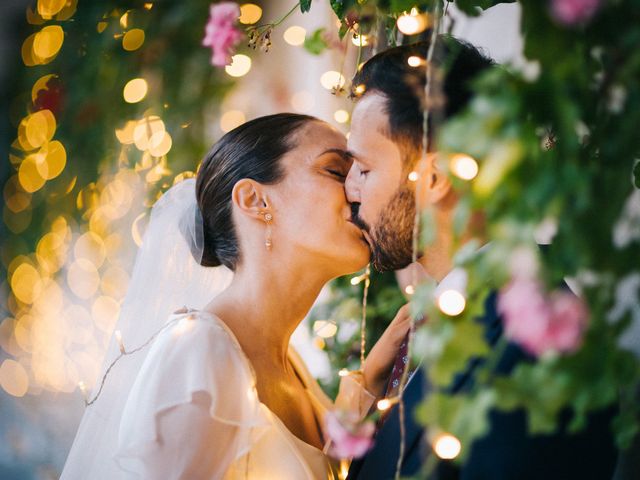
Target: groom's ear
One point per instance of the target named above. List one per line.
(248, 196)
(434, 184)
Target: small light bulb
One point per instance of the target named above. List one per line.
(409, 290)
(463, 166)
(384, 404)
(360, 40)
(343, 372)
(412, 23)
(83, 389)
(447, 446)
(413, 176)
(415, 61)
(118, 335)
(451, 302)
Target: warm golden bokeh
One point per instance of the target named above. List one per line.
(133, 39)
(13, 378)
(250, 13)
(135, 90)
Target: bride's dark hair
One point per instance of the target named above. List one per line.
(252, 150)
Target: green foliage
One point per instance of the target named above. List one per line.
(474, 7)
(315, 43)
(345, 308)
(557, 146)
(92, 69)
(305, 5)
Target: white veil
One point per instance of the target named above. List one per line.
(167, 275)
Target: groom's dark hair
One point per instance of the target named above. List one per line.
(391, 74)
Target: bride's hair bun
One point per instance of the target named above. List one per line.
(252, 150)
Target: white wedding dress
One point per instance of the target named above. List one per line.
(182, 402)
(193, 412)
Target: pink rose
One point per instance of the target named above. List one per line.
(221, 32)
(541, 323)
(573, 12)
(349, 438)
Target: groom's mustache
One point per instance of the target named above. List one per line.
(356, 219)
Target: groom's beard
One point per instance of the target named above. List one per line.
(392, 233)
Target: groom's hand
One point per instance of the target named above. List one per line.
(377, 366)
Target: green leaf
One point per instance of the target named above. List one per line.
(315, 43)
(342, 7)
(305, 5)
(474, 7)
(466, 343)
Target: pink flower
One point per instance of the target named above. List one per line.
(573, 12)
(541, 323)
(349, 438)
(221, 32)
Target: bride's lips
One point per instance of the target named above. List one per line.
(364, 236)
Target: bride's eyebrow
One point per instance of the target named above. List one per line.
(343, 154)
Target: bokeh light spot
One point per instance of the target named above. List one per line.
(240, 65)
(250, 13)
(135, 90)
(133, 39)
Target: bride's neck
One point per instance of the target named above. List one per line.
(263, 307)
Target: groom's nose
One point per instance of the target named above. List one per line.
(352, 187)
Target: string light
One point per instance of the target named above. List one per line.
(415, 61)
(451, 302)
(358, 279)
(409, 290)
(412, 23)
(446, 446)
(360, 40)
(83, 389)
(463, 166)
(363, 321)
(343, 372)
(118, 336)
(414, 176)
(383, 404)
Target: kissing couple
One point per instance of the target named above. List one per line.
(232, 262)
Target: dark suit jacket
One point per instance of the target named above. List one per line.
(507, 452)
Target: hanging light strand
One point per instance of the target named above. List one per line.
(363, 321)
(123, 352)
(416, 228)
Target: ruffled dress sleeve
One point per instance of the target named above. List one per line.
(193, 409)
(353, 395)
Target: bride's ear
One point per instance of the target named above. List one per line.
(434, 184)
(248, 196)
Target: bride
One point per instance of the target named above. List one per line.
(207, 385)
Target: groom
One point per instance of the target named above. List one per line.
(385, 143)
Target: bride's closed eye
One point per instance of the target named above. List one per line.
(337, 173)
